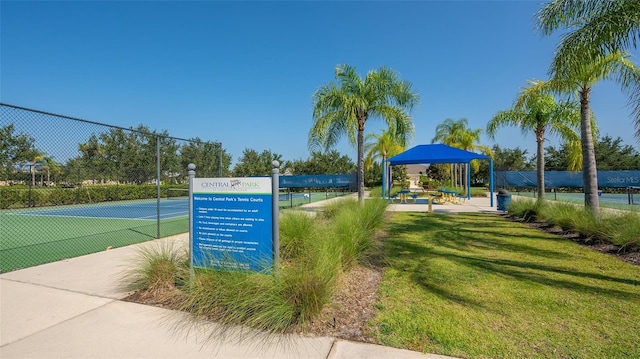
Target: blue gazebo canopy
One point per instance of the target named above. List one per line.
(435, 153)
(439, 153)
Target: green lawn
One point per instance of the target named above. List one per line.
(480, 286)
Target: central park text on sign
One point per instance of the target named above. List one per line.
(232, 223)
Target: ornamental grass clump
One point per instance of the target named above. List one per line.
(298, 231)
(159, 270)
(239, 298)
(567, 216)
(355, 227)
(621, 228)
(527, 210)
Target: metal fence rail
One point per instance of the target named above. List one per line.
(70, 186)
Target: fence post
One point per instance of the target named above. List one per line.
(275, 191)
(79, 187)
(220, 159)
(158, 183)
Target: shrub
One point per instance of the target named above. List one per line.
(9, 197)
(61, 196)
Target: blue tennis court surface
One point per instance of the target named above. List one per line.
(141, 210)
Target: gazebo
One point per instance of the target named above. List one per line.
(439, 153)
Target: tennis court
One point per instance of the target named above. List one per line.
(43, 235)
(294, 199)
(607, 200)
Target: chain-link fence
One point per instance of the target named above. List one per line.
(70, 187)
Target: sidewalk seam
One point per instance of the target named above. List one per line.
(333, 345)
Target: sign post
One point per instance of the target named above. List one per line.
(275, 182)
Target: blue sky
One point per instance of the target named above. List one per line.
(244, 72)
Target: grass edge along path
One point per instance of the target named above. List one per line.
(480, 286)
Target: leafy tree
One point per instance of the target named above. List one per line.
(146, 164)
(507, 159)
(210, 158)
(91, 157)
(439, 172)
(504, 159)
(538, 112)
(120, 157)
(16, 149)
(611, 155)
(253, 163)
(344, 106)
(556, 159)
(129, 156)
(597, 28)
(373, 176)
(583, 60)
(331, 162)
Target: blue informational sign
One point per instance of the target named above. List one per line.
(232, 223)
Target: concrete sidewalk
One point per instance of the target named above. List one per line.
(73, 309)
(474, 204)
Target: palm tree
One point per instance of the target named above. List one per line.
(458, 134)
(344, 106)
(579, 82)
(383, 146)
(537, 112)
(599, 27)
(591, 52)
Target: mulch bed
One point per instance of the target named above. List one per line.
(632, 257)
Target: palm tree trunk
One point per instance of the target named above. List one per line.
(454, 182)
(540, 162)
(390, 181)
(384, 172)
(361, 161)
(465, 177)
(451, 175)
(589, 169)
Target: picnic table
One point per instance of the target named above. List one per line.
(448, 195)
(451, 196)
(404, 196)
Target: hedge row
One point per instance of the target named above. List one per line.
(38, 197)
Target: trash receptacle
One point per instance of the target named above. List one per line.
(504, 200)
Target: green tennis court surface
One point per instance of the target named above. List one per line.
(35, 236)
